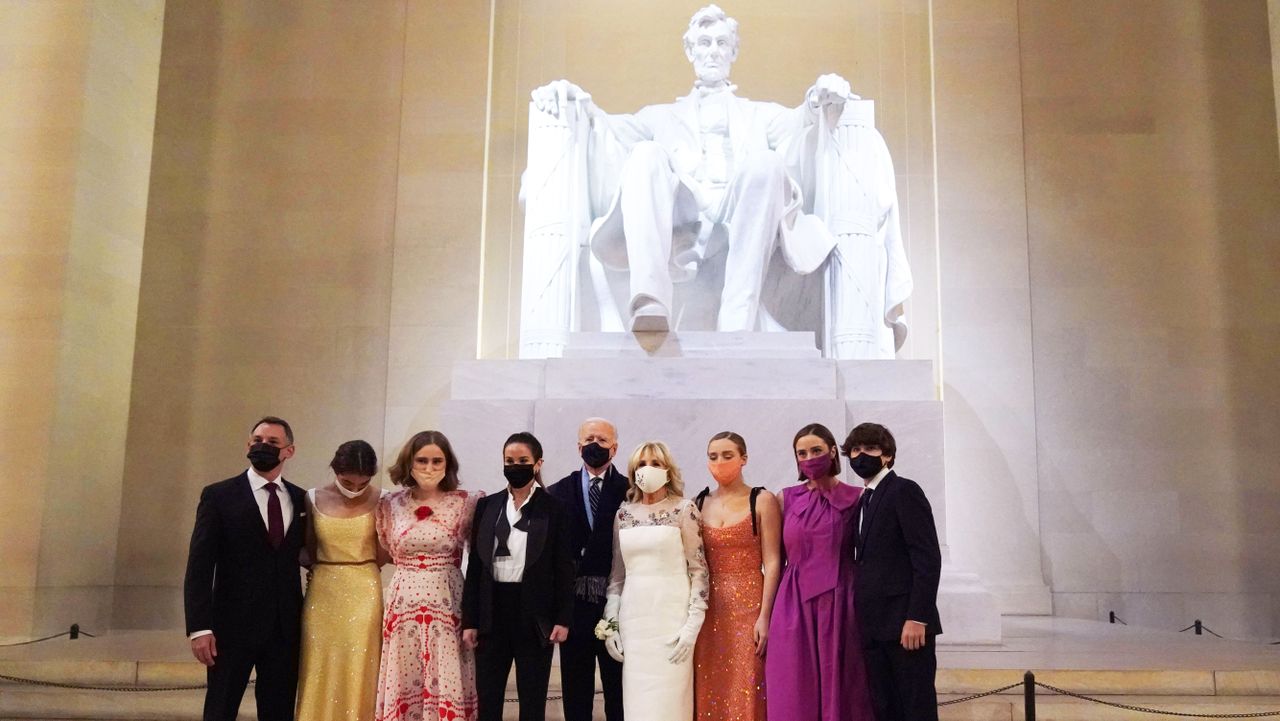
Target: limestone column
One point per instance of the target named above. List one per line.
(79, 83)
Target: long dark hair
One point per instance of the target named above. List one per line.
(821, 431)
(535, 447)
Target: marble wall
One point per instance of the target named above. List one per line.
(1273, 11)
(79, 87)
(438, 237)
(987, 366)
(1153, 209)
(266, 281)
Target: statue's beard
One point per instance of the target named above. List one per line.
(711, 77)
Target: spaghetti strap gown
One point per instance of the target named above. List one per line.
(814, 668)
(341, 622)
(729, 676)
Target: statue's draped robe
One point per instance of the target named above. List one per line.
(842, 204)
(753, 126)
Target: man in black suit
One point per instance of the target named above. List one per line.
(517, 600)
(243, 592)
(896, 594)
(591, 496)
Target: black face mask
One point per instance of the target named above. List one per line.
(595, 455)
(866, 466)
(263, 457)
(518, 474)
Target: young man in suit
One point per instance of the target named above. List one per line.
(591, 496)
(896, 594)
(243, 591)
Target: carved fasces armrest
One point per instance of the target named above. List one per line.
(554, 191)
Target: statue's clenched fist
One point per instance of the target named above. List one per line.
(830, 89)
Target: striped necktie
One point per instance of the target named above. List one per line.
(593, 497)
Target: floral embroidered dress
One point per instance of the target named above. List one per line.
(427, 674)
(660, 572)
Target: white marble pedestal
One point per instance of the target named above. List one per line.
(682, 389)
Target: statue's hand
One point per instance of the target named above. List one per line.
(830, 89)
(556, 94)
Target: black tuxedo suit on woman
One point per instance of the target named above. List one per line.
(250, 595)
(514, 623)
(899, 565)
(592, 546)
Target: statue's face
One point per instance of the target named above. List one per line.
(712, 51)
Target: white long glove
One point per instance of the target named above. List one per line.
(613, 644)
(682, 645)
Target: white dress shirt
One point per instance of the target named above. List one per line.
(871, 486)
(510, 569)
(263, 497)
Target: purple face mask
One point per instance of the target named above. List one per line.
(814, 468)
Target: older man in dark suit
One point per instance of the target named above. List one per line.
(591, 495)
(243, 591)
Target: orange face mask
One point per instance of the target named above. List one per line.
(725, 471)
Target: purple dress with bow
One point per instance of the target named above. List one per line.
(814, 669)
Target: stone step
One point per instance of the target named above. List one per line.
(31, 703)
(1059, 708)
(958, 681)
(28, 703)
(1145, 682)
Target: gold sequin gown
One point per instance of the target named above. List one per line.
(729, 677)
(341, 623)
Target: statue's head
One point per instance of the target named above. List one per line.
(711, 44)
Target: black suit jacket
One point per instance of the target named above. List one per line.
(546, 591)
(592, 546)
(899, 561)
(237, 585)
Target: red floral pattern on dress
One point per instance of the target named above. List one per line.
(427, 673)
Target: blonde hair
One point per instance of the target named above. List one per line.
(658, 450)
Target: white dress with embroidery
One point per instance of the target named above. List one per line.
(660, 572)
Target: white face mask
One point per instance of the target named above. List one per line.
(428, 478)
(651, 478)
(349, 493)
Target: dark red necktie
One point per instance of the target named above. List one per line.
(275, 518)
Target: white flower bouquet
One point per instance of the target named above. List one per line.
(607, 628)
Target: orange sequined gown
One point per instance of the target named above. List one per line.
(729, 677)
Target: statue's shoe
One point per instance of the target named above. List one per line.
(650, 318)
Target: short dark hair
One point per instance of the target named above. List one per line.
(872, 435)
(821, 431)
(737, 440)
(535, 447)
(401, 471)
(356, 457)
(274, 421)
